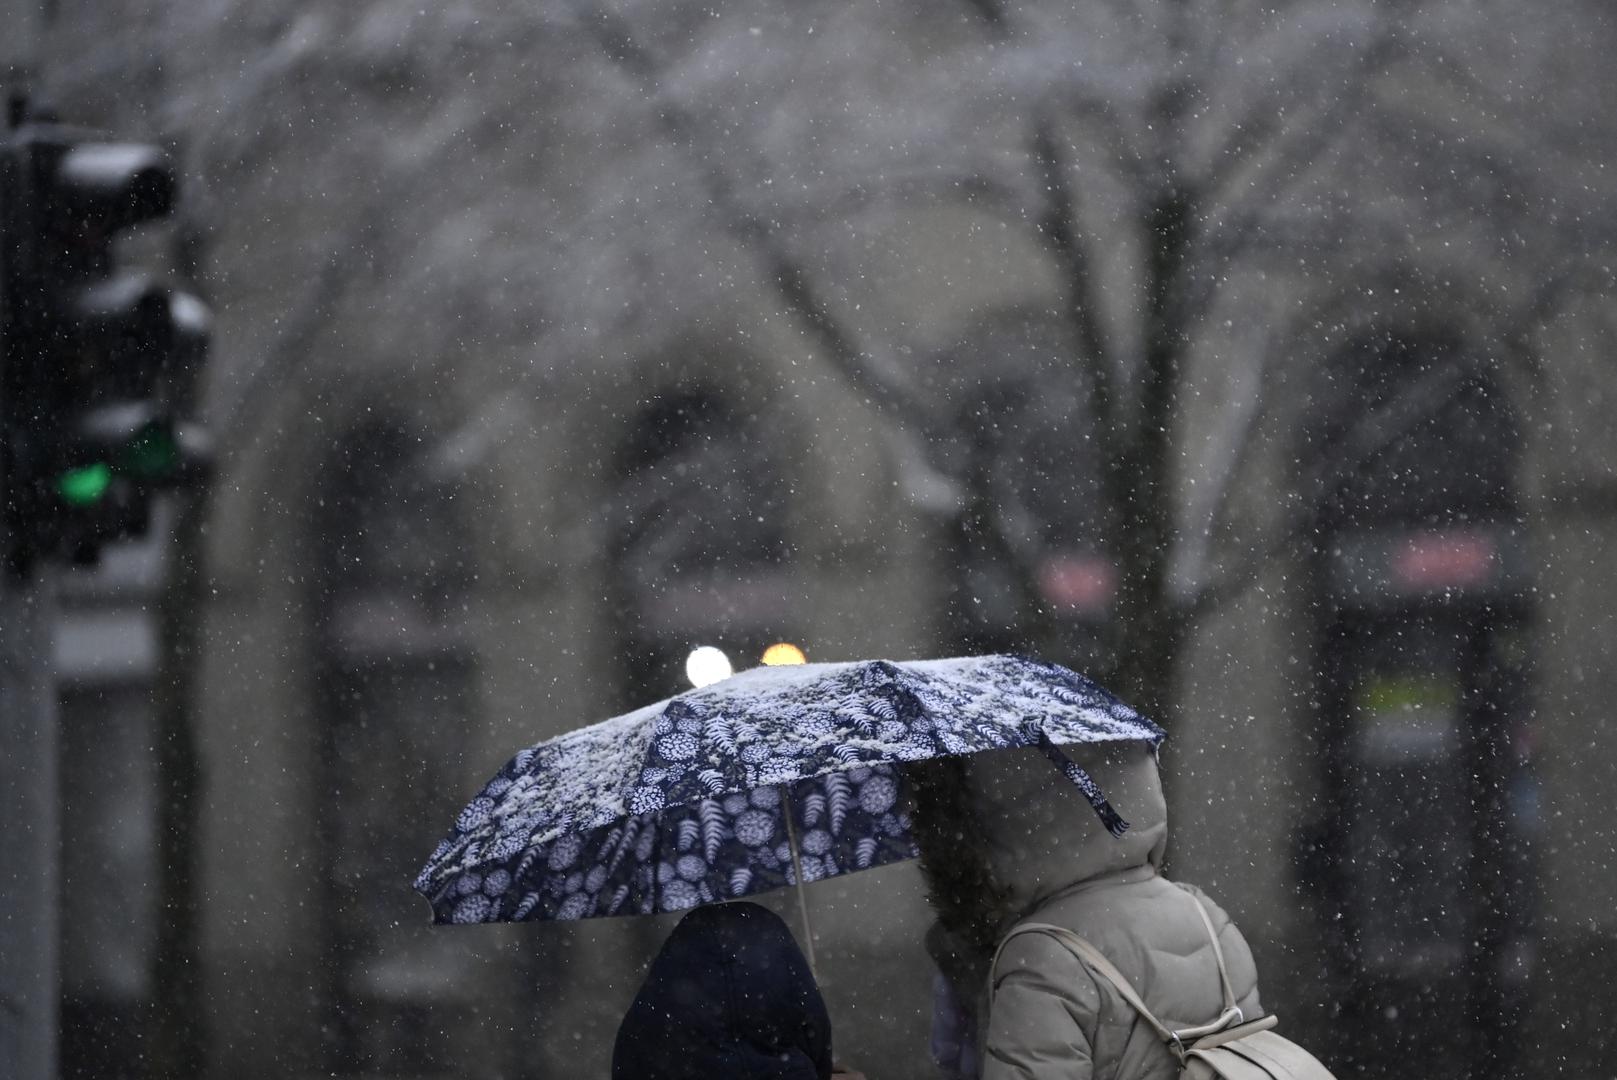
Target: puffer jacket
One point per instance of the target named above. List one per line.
(1049, 1016)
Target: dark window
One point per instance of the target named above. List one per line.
(700, 550)
(396, 691)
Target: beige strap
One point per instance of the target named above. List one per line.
(1218, 951)
(1239, 1031)
(1087, 953)
(1092, 956)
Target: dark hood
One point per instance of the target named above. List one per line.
(729, 997)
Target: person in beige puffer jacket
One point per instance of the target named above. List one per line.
(1007, 839)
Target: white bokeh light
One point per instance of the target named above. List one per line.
(707, 665)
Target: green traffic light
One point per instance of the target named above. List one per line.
(151, 455)
(85, 486)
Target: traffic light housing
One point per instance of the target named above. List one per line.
(97, 360)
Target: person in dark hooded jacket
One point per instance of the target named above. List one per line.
(729, 997)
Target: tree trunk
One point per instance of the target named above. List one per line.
(1140, 476)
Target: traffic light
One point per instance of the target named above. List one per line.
(96, 360)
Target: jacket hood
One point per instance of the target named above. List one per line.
(729, 996)
(1040, 834)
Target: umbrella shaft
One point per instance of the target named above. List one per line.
(797, 876)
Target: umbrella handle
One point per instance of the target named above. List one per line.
(797, 876)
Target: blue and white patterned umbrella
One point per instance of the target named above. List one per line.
(773, 776)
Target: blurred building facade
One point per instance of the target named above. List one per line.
(515, 408)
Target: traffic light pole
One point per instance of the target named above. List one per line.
(30, 834)
(29, 822)
(96, 363)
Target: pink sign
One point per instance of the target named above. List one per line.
(1453, 559)
(1081, 583)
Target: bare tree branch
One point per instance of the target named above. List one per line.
(1554, 291)
(1061, 227)
(1091, 103)
(791, 281)
(1297, 40)
(1310, 136)
(992, 13)
(1252, 399)
(307, 319)
(1375, 432)
(895, 187)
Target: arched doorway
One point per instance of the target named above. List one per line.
(395, 687)
(1422, 614)
(700, 545)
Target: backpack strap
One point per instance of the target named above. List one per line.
(1218, 950)
(1093, 957)
(1177, 1040)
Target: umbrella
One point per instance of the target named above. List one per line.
(773, 777)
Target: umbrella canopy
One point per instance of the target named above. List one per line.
(773, 777)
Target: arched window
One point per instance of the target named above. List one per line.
(1421, 629)
(1422, 435)
(700, 541)
(1038, 523)
(395, 686)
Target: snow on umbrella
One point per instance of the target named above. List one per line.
(773, 777)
